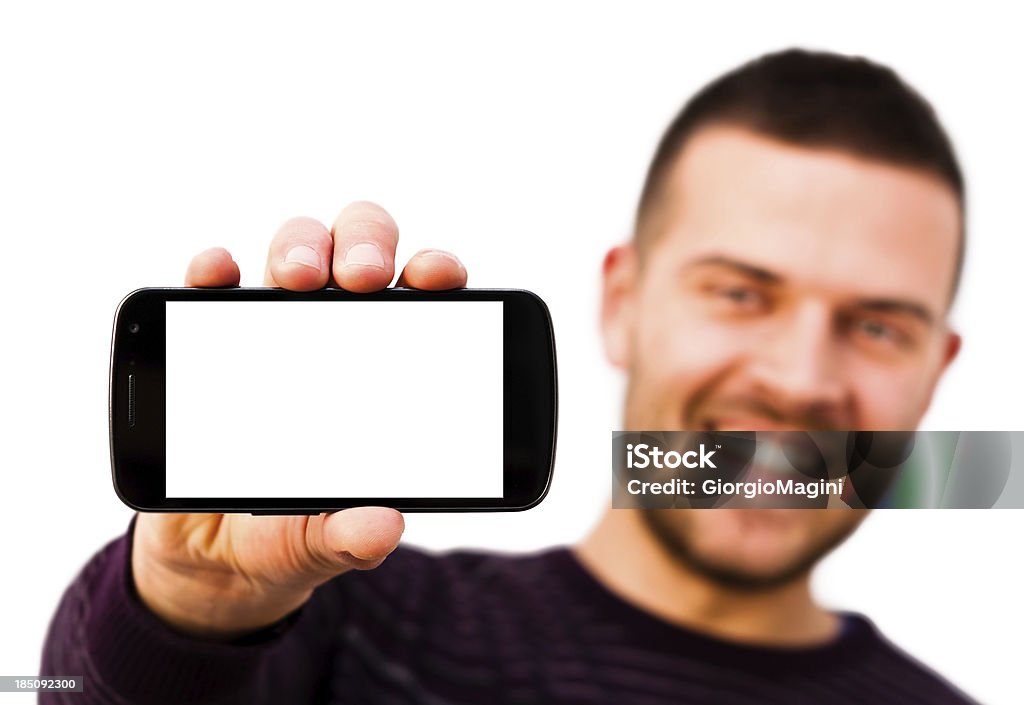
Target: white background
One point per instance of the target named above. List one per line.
(516, 136)
(231, 432)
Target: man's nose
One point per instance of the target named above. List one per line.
(797, 365)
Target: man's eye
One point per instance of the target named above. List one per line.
(875, 329)
(876, 332)
(740, 296)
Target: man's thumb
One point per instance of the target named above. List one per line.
(361, 537)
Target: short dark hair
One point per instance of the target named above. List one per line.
(819, 100)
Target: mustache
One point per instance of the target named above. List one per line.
(809, 417)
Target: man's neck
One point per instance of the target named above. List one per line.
(623, 555)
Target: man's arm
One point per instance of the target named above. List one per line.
(179, 610)
(102, 631)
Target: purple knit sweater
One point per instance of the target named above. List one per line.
(459, 628)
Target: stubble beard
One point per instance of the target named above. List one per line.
(676, 537)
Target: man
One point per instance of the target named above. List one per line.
(797, 247)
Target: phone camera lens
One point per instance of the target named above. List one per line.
(133, 327)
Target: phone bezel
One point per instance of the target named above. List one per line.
(137, 451)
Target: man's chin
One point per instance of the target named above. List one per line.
(751, 549)
(753, 545)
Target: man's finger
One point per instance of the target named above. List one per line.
(359, 538)
(211, 268)
(300, 256)
(434, 270)
(365, 238)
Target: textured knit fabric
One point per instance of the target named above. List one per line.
(459, 628)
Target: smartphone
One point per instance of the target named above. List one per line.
(277, 402)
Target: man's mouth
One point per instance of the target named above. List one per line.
(779, 452)
(746, 424)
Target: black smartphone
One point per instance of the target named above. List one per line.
(277, 402)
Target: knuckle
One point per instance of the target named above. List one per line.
(363, 205)
(445, 255)
(301, 223)
(305, 230)
(213, 253)
(366, 229)
(364, 209)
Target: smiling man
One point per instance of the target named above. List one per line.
(797, 247)
(781, 280)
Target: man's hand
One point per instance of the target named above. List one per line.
(222, 575)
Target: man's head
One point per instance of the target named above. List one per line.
(798, 243)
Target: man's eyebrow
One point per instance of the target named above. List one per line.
(904, 306)
(750, 270)
(880, 305)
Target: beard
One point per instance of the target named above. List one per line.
(789, 542)
(675, 533)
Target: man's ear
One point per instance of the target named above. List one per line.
(953, 344)
(618, 303)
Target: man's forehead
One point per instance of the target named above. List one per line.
(824, 216)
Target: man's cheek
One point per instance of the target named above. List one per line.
(886, 399)
(675, 362)
(700, 351)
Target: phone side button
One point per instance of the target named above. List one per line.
(131, 401)
(280, 512)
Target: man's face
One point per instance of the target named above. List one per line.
(783, 288)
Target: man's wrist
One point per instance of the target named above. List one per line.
(210, 605)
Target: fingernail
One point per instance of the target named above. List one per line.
(365, 254)
(304, 255)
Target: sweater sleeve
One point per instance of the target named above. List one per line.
(102, 631)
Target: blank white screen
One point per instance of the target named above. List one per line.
(334, 399)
